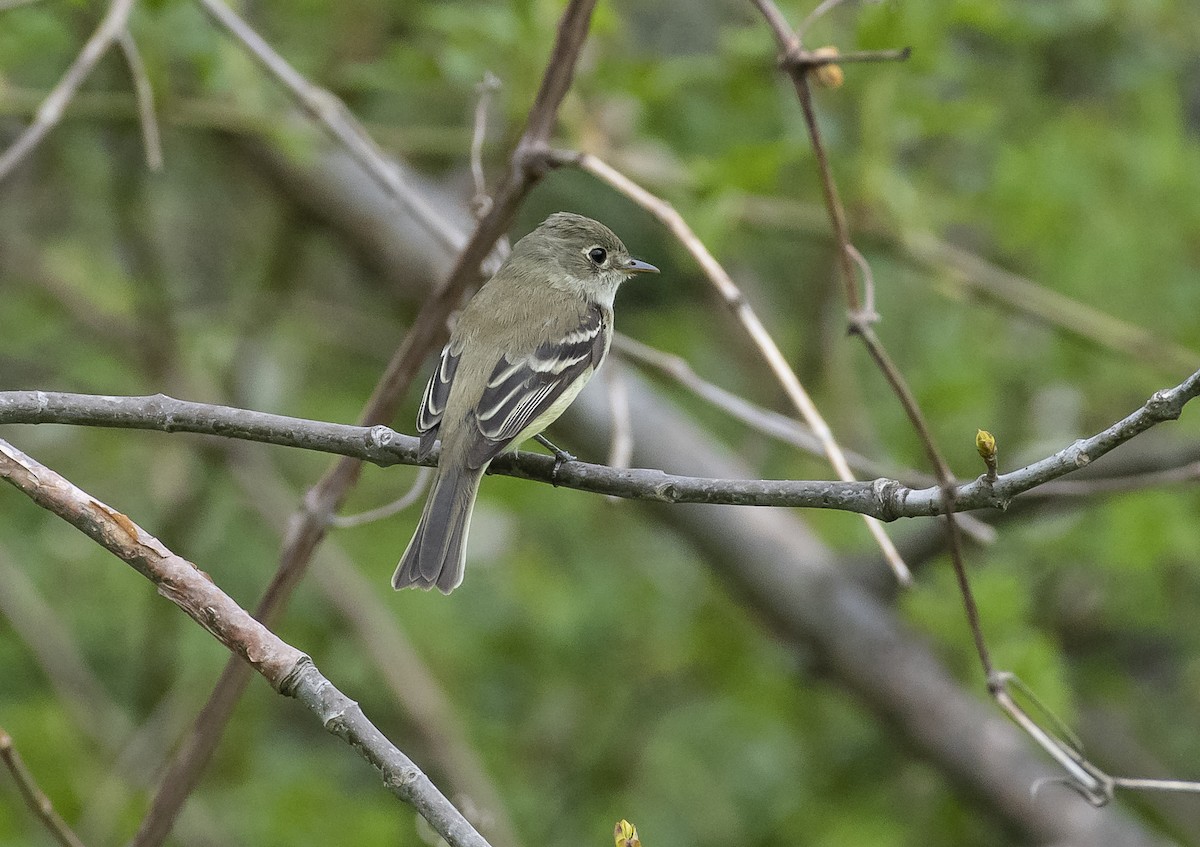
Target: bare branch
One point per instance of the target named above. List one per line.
(51, 111)
(412, 685)
(861, 320)
(35, 798)
(882, 498)
(772, 423)
(289, 671)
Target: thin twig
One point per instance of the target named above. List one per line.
(35, 798)
(331, 114)
(144, 93)
(745, 314)
(961, 272)
(406, 500)
(482, 201)
(620, 450)
(289, 671)
(51, 111)
(1092, 783)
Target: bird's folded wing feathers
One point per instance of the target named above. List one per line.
(519, 392)
(437, 392)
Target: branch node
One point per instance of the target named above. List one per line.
(1163, 407)
(289, 685)
(533, 159)
(380, 436)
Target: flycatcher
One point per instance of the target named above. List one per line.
(522, 349)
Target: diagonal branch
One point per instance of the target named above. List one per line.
(35, 798)
(289, 671)
(861, 320)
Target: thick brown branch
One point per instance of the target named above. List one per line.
(289, 671)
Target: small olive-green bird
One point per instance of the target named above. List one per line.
(522, 349)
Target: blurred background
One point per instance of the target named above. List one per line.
(1026, 190)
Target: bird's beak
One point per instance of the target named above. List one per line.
(637, 266)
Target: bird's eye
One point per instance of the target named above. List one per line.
(598, 255)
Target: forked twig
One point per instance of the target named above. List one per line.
(1085, 777)
(54, 106)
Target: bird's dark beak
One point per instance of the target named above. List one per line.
(637, 266)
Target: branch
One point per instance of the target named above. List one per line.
(289, 671)
(144, 94)
(884, 499)
(35, 798)
(769, 422)
(51, 111)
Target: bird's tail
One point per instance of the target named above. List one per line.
(437, 553)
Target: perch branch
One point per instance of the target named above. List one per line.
(882, 498)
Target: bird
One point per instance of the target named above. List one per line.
(521, 351)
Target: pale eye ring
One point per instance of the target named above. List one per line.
(598, 255)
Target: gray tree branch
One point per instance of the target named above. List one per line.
(885, 499)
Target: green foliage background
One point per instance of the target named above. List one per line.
(598, 667)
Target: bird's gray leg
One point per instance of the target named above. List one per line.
(561, 457)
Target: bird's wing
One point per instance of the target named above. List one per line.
(433, 403)
(520, 392)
